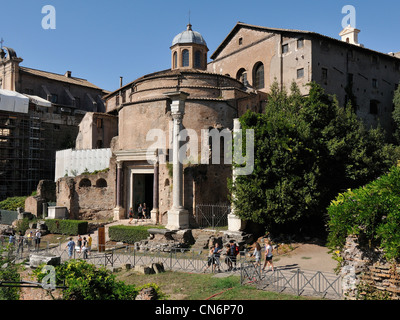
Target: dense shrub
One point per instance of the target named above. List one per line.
(68, 227)
(371, 213)
(129, 234)
(11, 204)
(86, 282)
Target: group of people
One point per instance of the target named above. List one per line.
(231, 252)
(20, 240)
(143, 213)
(82, 245)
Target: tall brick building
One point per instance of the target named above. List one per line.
(40, 113)
(343, 67)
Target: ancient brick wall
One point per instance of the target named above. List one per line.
(367, 274)
(88, 196)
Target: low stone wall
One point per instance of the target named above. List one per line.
(366, 274)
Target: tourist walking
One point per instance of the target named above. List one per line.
(29, 238)
(233, 252)
(11, 239)
(257, 254)
(89, 243)
(145, 213)
(79, 243)
(85, 248)
(38, 236)
(140, 212)
(216, 254)
(268, 256)
(20, 242)
(70, 246)
(228, 259)
(130, 215)
(210, 258)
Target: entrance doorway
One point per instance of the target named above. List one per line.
(142, 191)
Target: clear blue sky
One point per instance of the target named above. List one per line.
(103, 40)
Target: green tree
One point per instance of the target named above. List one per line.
(396, 115)
(371, 213)
(307, 149)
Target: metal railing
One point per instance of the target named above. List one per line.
(177, 259)
(295, 281)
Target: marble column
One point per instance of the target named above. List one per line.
(119, 211)
(178, 216)
(235, 224)
(154, 212)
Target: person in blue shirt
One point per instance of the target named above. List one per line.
(70, 247)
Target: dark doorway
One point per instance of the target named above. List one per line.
(143, 191)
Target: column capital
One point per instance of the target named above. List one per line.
(178, 99)
(178, 116)
(120, 164)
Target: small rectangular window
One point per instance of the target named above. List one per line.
(373, 107)
(300, 73)
(99, 123)
(285, 48)
(54, 98)
(300, 43)
(374, 83)
(324, 75)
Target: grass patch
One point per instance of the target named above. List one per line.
(190, 286)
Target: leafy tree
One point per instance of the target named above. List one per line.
(307, 150)
(396, 114)
(371, 213)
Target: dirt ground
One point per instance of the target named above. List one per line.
(306, 257)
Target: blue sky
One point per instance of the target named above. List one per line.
(103, 40)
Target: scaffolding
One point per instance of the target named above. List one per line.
(21, 154)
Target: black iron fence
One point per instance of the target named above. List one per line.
(294, 281)
(212, 215)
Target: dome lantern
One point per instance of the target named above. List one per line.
(189, 50)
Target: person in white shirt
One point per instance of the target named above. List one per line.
(268, 255)
(38, 235)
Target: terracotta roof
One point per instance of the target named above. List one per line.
(240, 25)
(59, 77)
